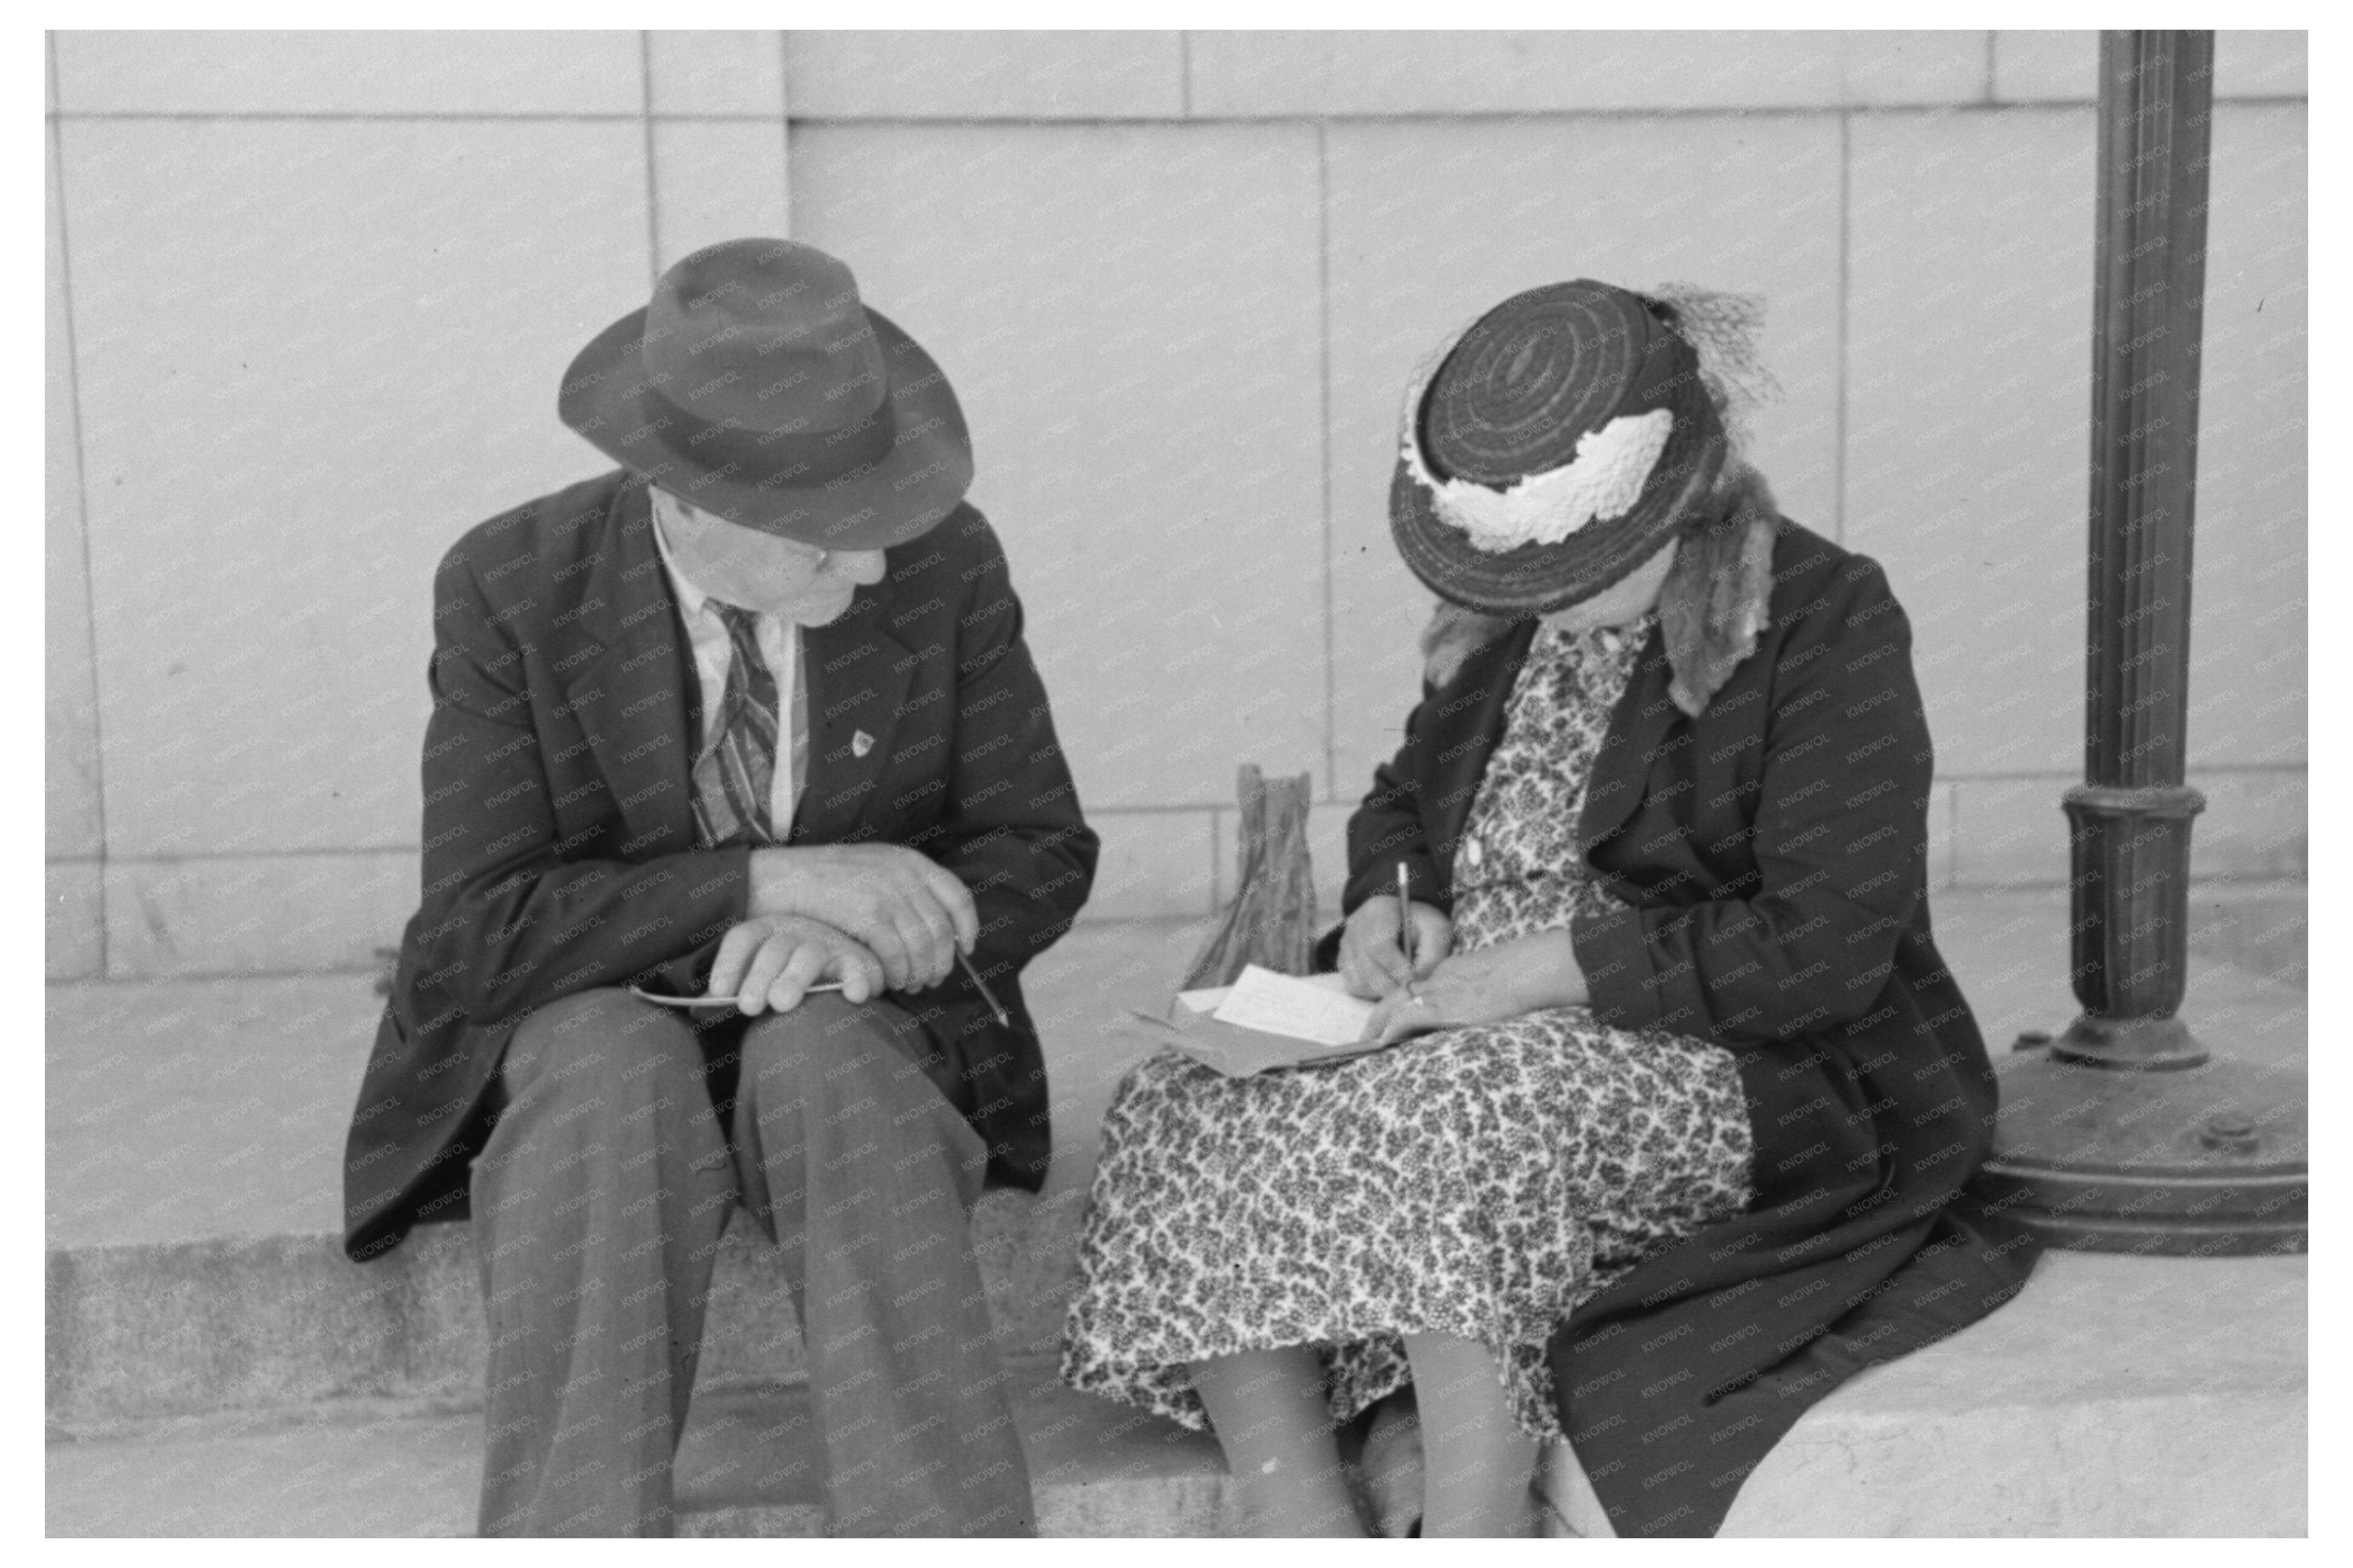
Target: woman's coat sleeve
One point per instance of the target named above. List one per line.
(1386, 831)
(1840, 831)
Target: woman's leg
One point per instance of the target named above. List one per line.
(1272, 1420)
(1391, 1464)
(1477, 1465)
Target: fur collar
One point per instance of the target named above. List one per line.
(1711, 608)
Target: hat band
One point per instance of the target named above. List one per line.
(1605, 479)
(801, 459)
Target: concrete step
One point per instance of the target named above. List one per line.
(198, 1305)
(143, 1331)
(195, 1145)
(195, 1137)
(2117, 1396)
(751, 1464)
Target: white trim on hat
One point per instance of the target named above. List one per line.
(1603, 480)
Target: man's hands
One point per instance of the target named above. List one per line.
(1372, 962)
(771, 960)
(875, 917)
(903, 908)
(1485, 987)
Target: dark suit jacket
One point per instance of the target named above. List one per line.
(1771, 857)
(559, 837)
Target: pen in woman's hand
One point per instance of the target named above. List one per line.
(1404, 919)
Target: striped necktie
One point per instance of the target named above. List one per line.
(733, 775)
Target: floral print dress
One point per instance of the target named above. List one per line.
(1479, 1182)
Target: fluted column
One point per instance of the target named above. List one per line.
(2095, 1149)
(2130, 819)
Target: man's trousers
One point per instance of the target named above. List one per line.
(598, 1202)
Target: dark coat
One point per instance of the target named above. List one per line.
(1771, 860)
(559, 834)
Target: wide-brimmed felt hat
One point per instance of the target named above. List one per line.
(1557, 444)
(757, 385)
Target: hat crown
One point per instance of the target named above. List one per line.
(758, 385)
(1537, 374)
(1559, 442)
(767, 335)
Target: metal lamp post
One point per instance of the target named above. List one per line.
(2128, 1132)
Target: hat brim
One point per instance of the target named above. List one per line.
(900, 496)
(1538, 579)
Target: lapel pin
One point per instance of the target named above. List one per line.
(860, 744)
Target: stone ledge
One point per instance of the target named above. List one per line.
(2117, 1396)
(2184, 1465)
(748, 1465)
(164, 1331)
(139, 1332)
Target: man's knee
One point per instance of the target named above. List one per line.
(860, 1072)
(603, 1042)
(824, 1038)
(831, 1057)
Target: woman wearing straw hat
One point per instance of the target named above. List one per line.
(1678, 1099)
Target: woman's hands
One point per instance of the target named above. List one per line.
(771, 960)
(1372, 962)
(1486, 986)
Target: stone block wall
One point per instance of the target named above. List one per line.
(310, 295)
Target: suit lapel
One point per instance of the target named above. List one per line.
(630, 695)
(633, 696)
(858, 676)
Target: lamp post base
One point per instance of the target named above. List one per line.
(2134, 1045)
(2206, 1161)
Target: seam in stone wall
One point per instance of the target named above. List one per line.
(56, 154)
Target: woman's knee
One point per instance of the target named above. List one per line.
(601, 1042)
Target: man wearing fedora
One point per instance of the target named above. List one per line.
(751, 716)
